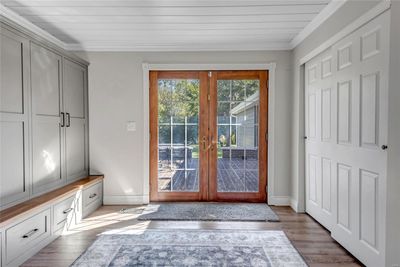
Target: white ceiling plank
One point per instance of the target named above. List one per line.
(171, 19)
(83, 33)
(178, 48)
(157, 3)
(179, 38)
(171, 26)
(167, 11)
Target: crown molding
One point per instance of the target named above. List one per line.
(363, 19)
(20, 21)
(325, 14)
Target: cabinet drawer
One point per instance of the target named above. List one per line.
(92, 194)
(63, 212)
(26, 234)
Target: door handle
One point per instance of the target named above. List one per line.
(211, 145)
(68, 120)
(62, 124)
(204, 144)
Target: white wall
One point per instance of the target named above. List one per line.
(116, 96)
(350, 11)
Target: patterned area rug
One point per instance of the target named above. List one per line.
(175, 247)
(208, 212)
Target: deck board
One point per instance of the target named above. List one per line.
(234, 175)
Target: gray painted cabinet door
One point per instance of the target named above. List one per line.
(74, 96)
(47, 135)
(14, 157)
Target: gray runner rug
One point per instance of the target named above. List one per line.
(195, 248)
(208, 212)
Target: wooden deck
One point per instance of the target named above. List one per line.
(234, 175)
(312, 241)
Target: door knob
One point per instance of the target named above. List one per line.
(204, 143)
(384, 147)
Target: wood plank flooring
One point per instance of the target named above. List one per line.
(311, 240)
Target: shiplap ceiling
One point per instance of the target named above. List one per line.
(174, 25)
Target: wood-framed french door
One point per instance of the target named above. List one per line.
(208, 135)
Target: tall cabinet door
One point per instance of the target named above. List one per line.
(74, 90)
(14, 114)
(47, 133)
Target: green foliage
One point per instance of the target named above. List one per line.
(178, 99)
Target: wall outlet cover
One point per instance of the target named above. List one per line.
(131, 126)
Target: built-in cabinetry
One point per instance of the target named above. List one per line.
(31, 225)
(14, 118)
(43, 117)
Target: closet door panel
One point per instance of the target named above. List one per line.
(74, 95)
(12, 171)
(11, 89)
(46, 152)
(74, 89)
(354, 155)
(14, 123)
(47, 136)
(45, 81)
(76, 150)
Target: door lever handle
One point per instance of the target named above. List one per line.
(68, 120)
(62, 124)
(204, 144)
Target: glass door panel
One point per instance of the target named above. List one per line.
(240, 169)
(178, 146)
(237, 123)
(178, 116)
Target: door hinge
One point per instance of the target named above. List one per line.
(208, 97)
(266, 189)
(266, 137)
(209, 74)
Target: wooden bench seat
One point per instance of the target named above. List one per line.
(29, 206)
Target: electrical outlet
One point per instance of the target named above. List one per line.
(131, 126)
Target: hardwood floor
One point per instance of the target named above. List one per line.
(309, 238)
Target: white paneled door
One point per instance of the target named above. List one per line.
(346, 130)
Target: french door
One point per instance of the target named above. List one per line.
(208, 135)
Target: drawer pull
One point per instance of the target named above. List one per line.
(93, 195)
(68, 210)
(30, 233)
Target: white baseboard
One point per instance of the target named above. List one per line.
(279, 200)
(294, 204)
(125, 200)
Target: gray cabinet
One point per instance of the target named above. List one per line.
(14, 118)
(43, 117)
(47, 133)
(74, 95)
